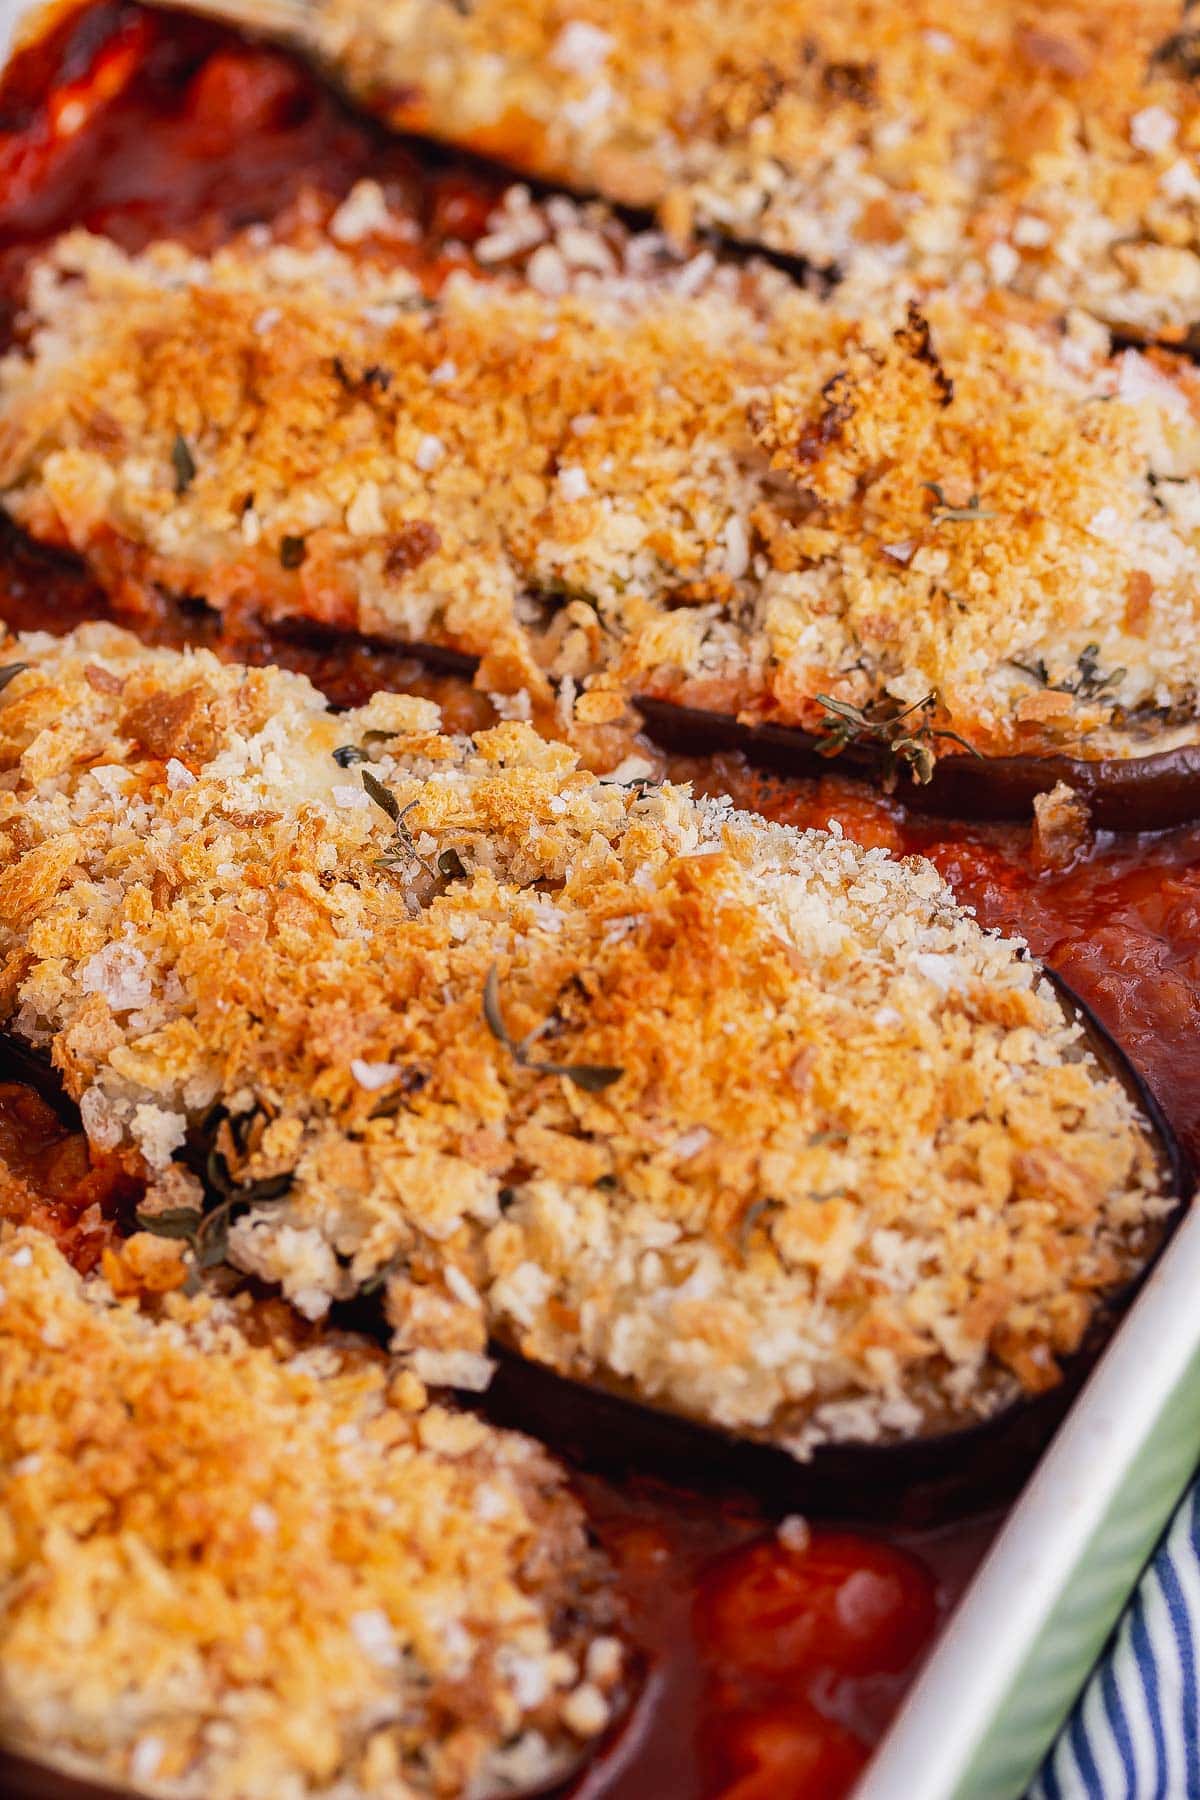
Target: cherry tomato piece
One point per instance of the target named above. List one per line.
(788, 1753)
(238, 92)
(461, 209)
(844, 1604)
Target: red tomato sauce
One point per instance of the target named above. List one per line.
(51, 1178)
(773, 1661)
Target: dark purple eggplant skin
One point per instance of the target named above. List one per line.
(910, 1482)
(1137, 793)
(25, 1779)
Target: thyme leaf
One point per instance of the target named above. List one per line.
(380, 1277)
(205, 1230)
(593, 1078)
(182, 1222)
(9, 672)
(944, 513)
(1088, 683)
(382, 796)
(749, 1219)
(183, 462)
(346, 755)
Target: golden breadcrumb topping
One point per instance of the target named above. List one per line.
(609, 466)
(238, 1565)
(1048, 148)
(754, 1122)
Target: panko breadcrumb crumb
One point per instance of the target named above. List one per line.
(753, 1121)
(1050, 150)
(676, 479)
(233, 1568)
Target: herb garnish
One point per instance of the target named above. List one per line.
(1087, 684)
(346, 755)
(410, 1080)
(383, 796)
(749, 1219)
(911, 748)
(943, 512)
(373, 376)
(1154, 482)
(379, 1278)
(184, 464)
(292, 551)
(206, 1230)
(593, 1078)
(401, 851)
(759, 1208)
(1179, 55)
(451, 866)
(9, 672)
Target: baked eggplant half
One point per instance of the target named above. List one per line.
(1054, 155)
(966, 539)
(241, 1561)
(753, 1125)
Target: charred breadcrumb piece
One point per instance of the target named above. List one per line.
(755, 1121)
(1061, 827)
(244, 1566)
(604, 469)
(1052, 151)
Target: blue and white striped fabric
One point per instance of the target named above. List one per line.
(1135, 1732)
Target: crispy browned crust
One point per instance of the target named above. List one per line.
(1048, 149)
(237, 1564)
(596, 468)
(834, 1166)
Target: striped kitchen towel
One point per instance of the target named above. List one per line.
(1135, 1731)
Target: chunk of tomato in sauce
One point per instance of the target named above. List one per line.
(787, 1753)
(839, 1605)
(49, 1177)
(239, 92)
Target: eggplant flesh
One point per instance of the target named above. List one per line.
(26, 1777)
(1136, 793)
(943, 1473)
(599, 1423)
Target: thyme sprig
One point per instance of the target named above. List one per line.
(943, 513)
(901, 745)
(593, 1078)
(402, 852)
(205, 1229)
